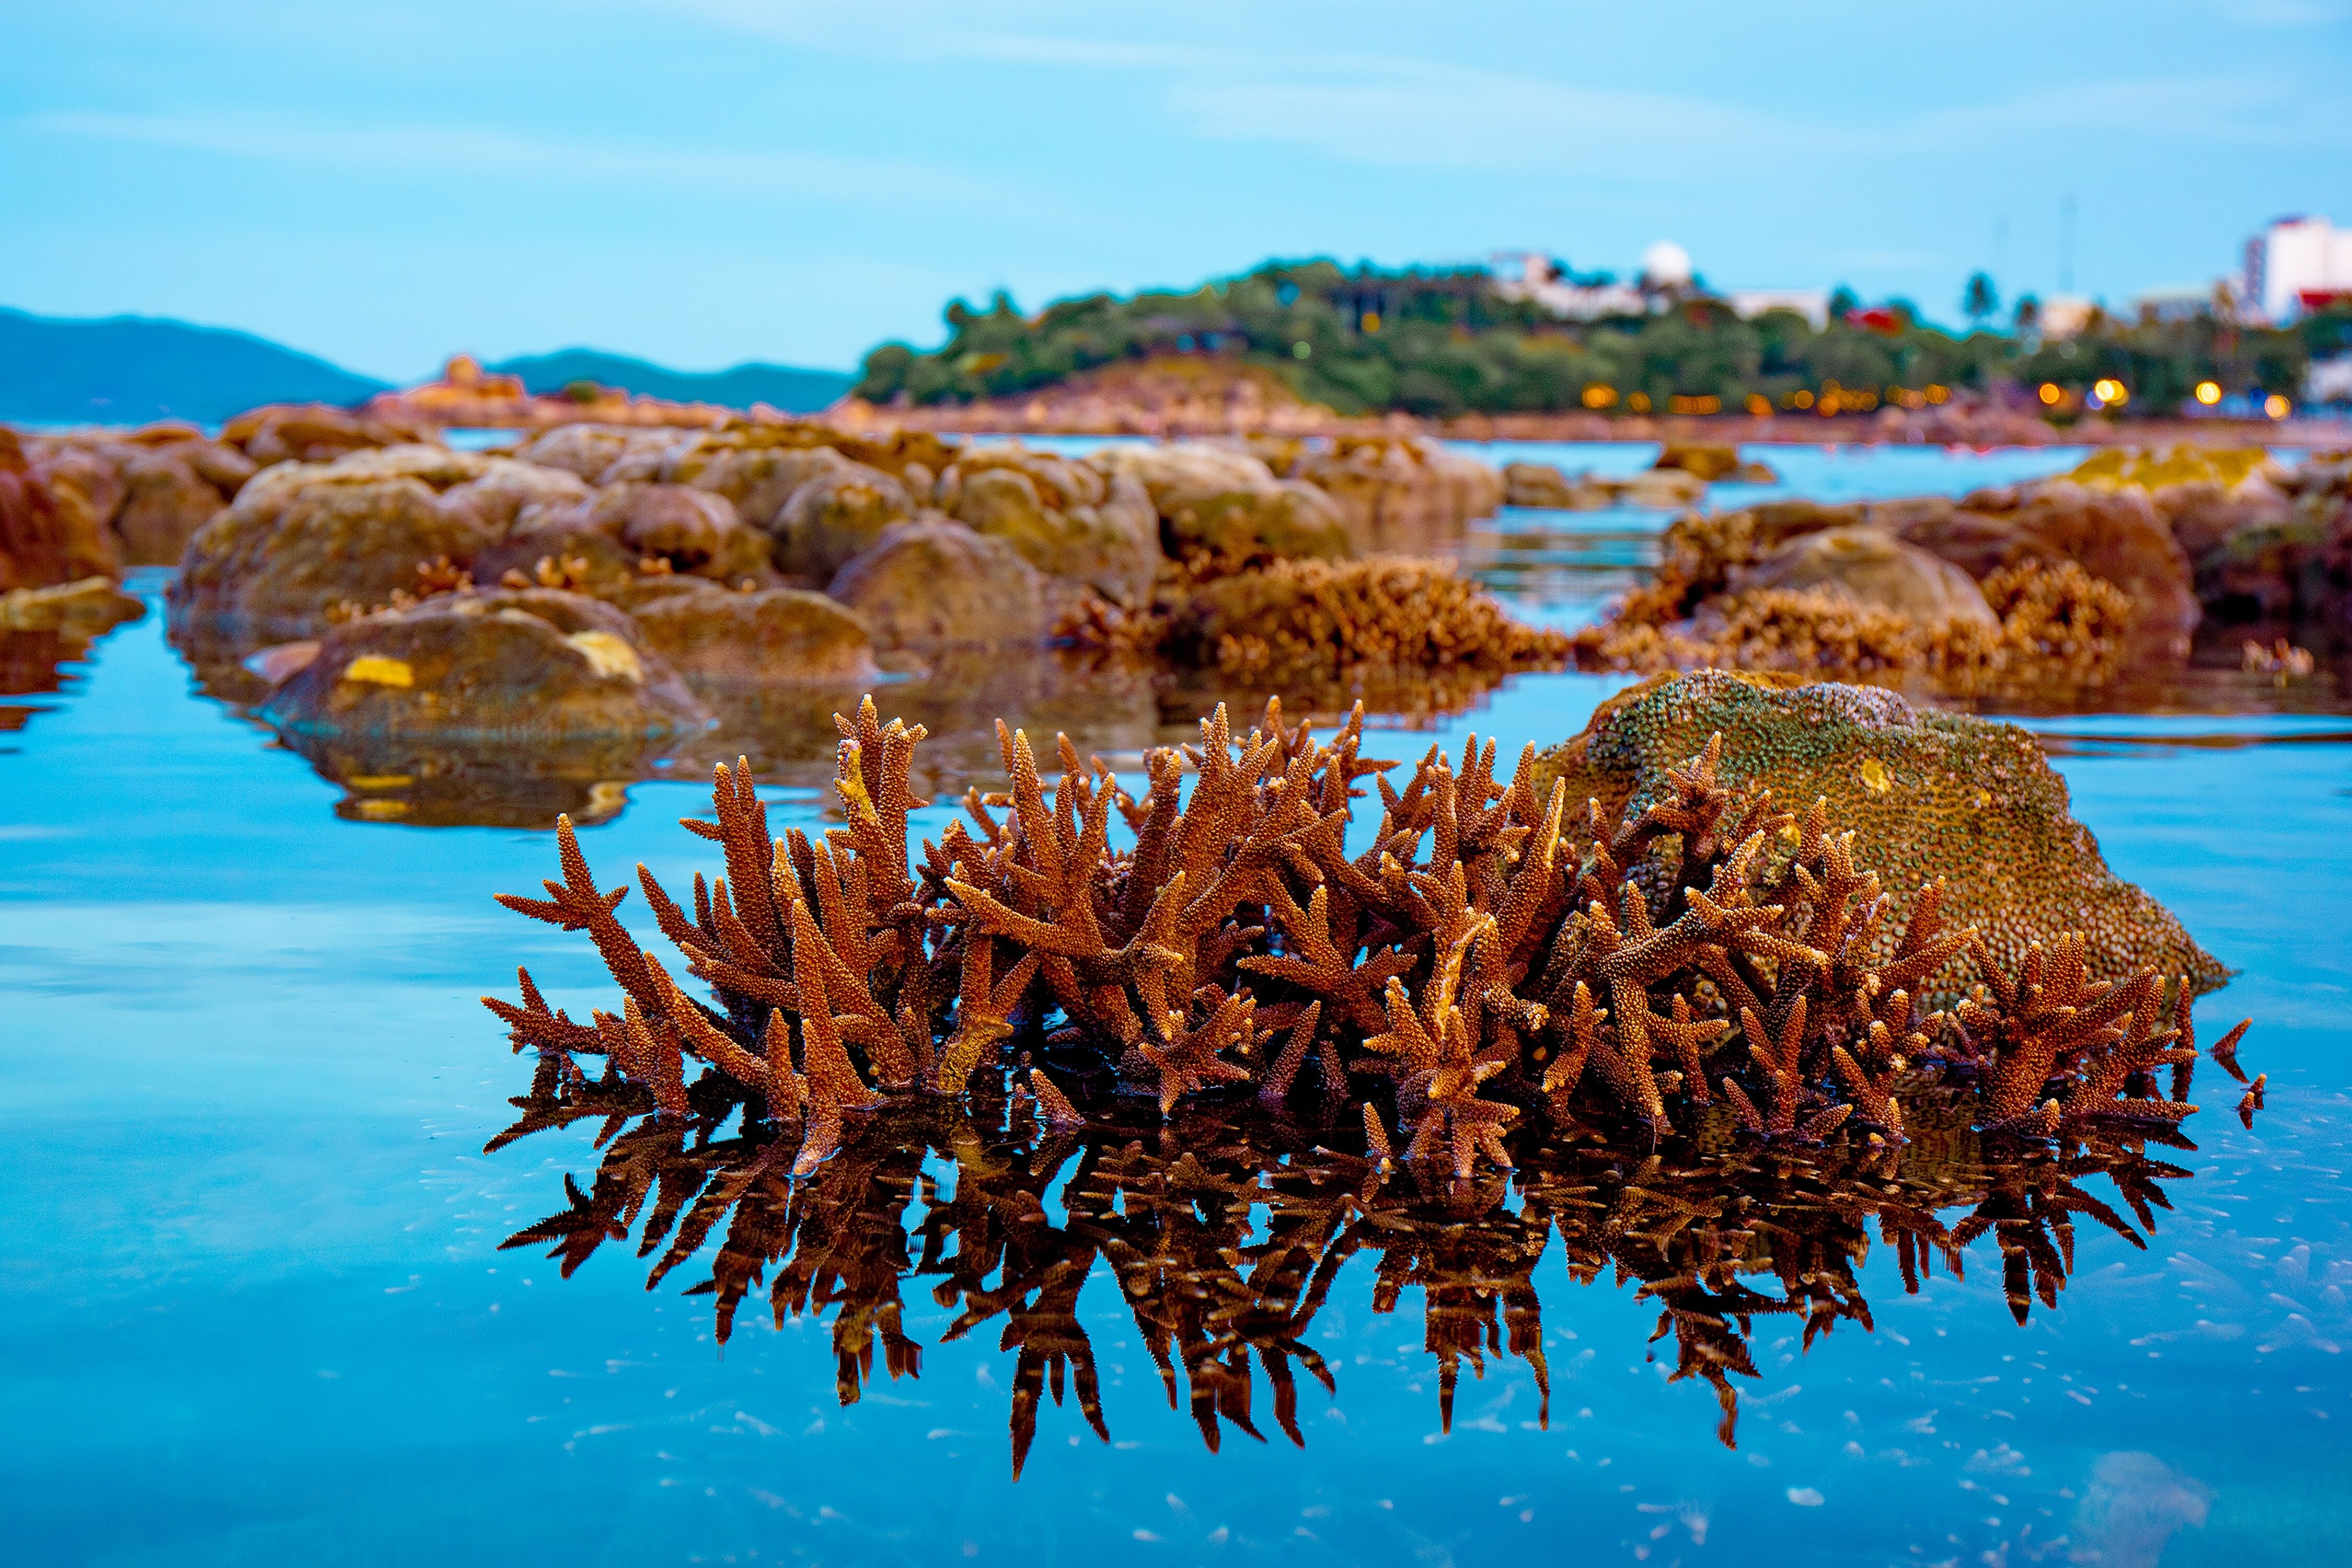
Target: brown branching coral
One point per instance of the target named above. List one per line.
(1466, 965)
(2059, 625)
(1225, 1239)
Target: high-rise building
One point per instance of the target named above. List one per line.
(2298, 265)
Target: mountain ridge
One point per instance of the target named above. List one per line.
(133, 370)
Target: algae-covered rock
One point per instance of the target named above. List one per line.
(835, 516)
(937, 584)
(2115, 535)
(510, 666)
(303, 538)
(588, 450)
(505, 489)
(1099, 532)
(1706, 460)
(1870, 566)
(46, 539)
(1399, 492)
(1226, 505)
(757, 478)
(1929, 796)
(81, 610)
(1544, 487)
(317, 433)
(781, 635)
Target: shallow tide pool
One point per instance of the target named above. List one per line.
(257, 1310)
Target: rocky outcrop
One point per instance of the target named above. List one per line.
(82, 610)
(1930, 796)
(756, 478)
(317, 433)
(589, 451)
(781, 636)
(1710, 461)
(1547, 487)
(1221, 504)
(835, 516)
(507, 666)
(151, 488)
(936, 584)
(1072, 521)
(1870, 567)
(47, 538)
(1401, 493)
(2116, 536)
(304, 538)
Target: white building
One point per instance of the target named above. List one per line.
(2294, 264)
(1533, 276)
(1813, 304)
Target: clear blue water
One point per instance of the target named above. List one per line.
(255, 1307)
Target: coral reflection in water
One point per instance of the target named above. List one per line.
(1226, 1237)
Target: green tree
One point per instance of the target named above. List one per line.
(1979, 299)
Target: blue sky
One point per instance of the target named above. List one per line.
(704, 182)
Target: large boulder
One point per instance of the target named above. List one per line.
(1870, 566)
(505, 488)
(80, 611)
(756, 478)
(933, 583)
(1545, 487)
(781, 635)
(1221, 504)
(2112, 534)
(837, 515)
(1399, 492)
(507, 666)
(690, 531)
(588, 450)
(317, 433)
(1067, 520)
(304, 538)
(45, 538)
(165, 501)
(1930, 796)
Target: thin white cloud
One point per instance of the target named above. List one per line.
(473, 151)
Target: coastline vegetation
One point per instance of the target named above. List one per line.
(1443, 343)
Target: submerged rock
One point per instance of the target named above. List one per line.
(1930, 796)
(1542, 486)
(1400, 492)
(937, 584)
(1871, 567)
(782, 635)
(81, 610)
(512, 666)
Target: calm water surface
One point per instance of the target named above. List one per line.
(256, 1307)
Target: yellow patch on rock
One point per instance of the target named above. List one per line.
(379, 781)
(382, 810)
(608, 655)
(1875, 776)
(376, 669)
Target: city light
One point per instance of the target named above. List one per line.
(2276, 406)
(1758, 404)
(1599, 396)
(2051, 395)
(2209, 393)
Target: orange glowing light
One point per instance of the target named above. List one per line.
(2051, 395)
(2209, 393)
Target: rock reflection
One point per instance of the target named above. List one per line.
(1226, 1233)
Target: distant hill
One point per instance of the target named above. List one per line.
(130, 370)
(782, 386)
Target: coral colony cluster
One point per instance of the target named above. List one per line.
(1486, 973)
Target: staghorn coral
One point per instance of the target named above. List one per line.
(1523, 962)
(1227, 1236)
